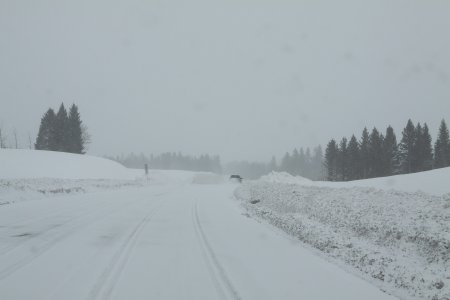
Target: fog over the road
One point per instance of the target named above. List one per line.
(243, 79)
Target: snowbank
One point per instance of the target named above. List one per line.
(435, 182)
(47, 164)
(283, 177)
(18, 190)
(398, 240)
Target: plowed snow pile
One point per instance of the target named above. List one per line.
(398, 240)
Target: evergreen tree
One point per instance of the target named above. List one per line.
(354, 159)
(442, 147)
(417, 157)
(303, 163)
(406, 148)
(426, 150)
(272, 165)
(375, 154)
(364, 154)
(46, 136)
(62, 132)
(306, 160)
(216, 165)
(390, 150)
(286, 163)
(331, 158)
(317, 164)
(295, 167)
(61, 129)
(343, 160)
(422, 150)
(74, 139)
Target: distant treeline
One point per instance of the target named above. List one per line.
(376, 155)
(300, 162)
(304, 163)
(172, 161)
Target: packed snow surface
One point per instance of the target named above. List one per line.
(398, 240)
(170, 235)
(173, 241)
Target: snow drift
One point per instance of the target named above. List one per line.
(398, 240)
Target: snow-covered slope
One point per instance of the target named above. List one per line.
(26, 164)
(393, 231)
(31, 175)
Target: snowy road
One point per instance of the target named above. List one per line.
(163, 242)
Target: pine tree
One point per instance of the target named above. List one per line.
(364, 154)
(286, 163)
(417, 156)
(427, 149)
(375, 154)
(272, 165)
(216, 165)
(354, 159)
(331, 158)
(306, 160)
(46, 136)
(343, 160)
(61, 128)
(303, 163)
(390, 150)
(74, 139)
(317, 164)
(406, 148)
(295, 168)
(442, 147)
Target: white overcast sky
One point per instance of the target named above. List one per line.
(243, 79)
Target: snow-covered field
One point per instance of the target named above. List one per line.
(171, 235)
(379, 229)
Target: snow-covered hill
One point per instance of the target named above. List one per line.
(15, 164)
(31, 175)
(392, 231)
(38, 165)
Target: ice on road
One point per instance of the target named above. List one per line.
(180, 241)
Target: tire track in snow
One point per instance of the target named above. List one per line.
(9, 248)
(28, 257)
(222, 283)
(107, 281)
(87, 207)
(30, 221)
